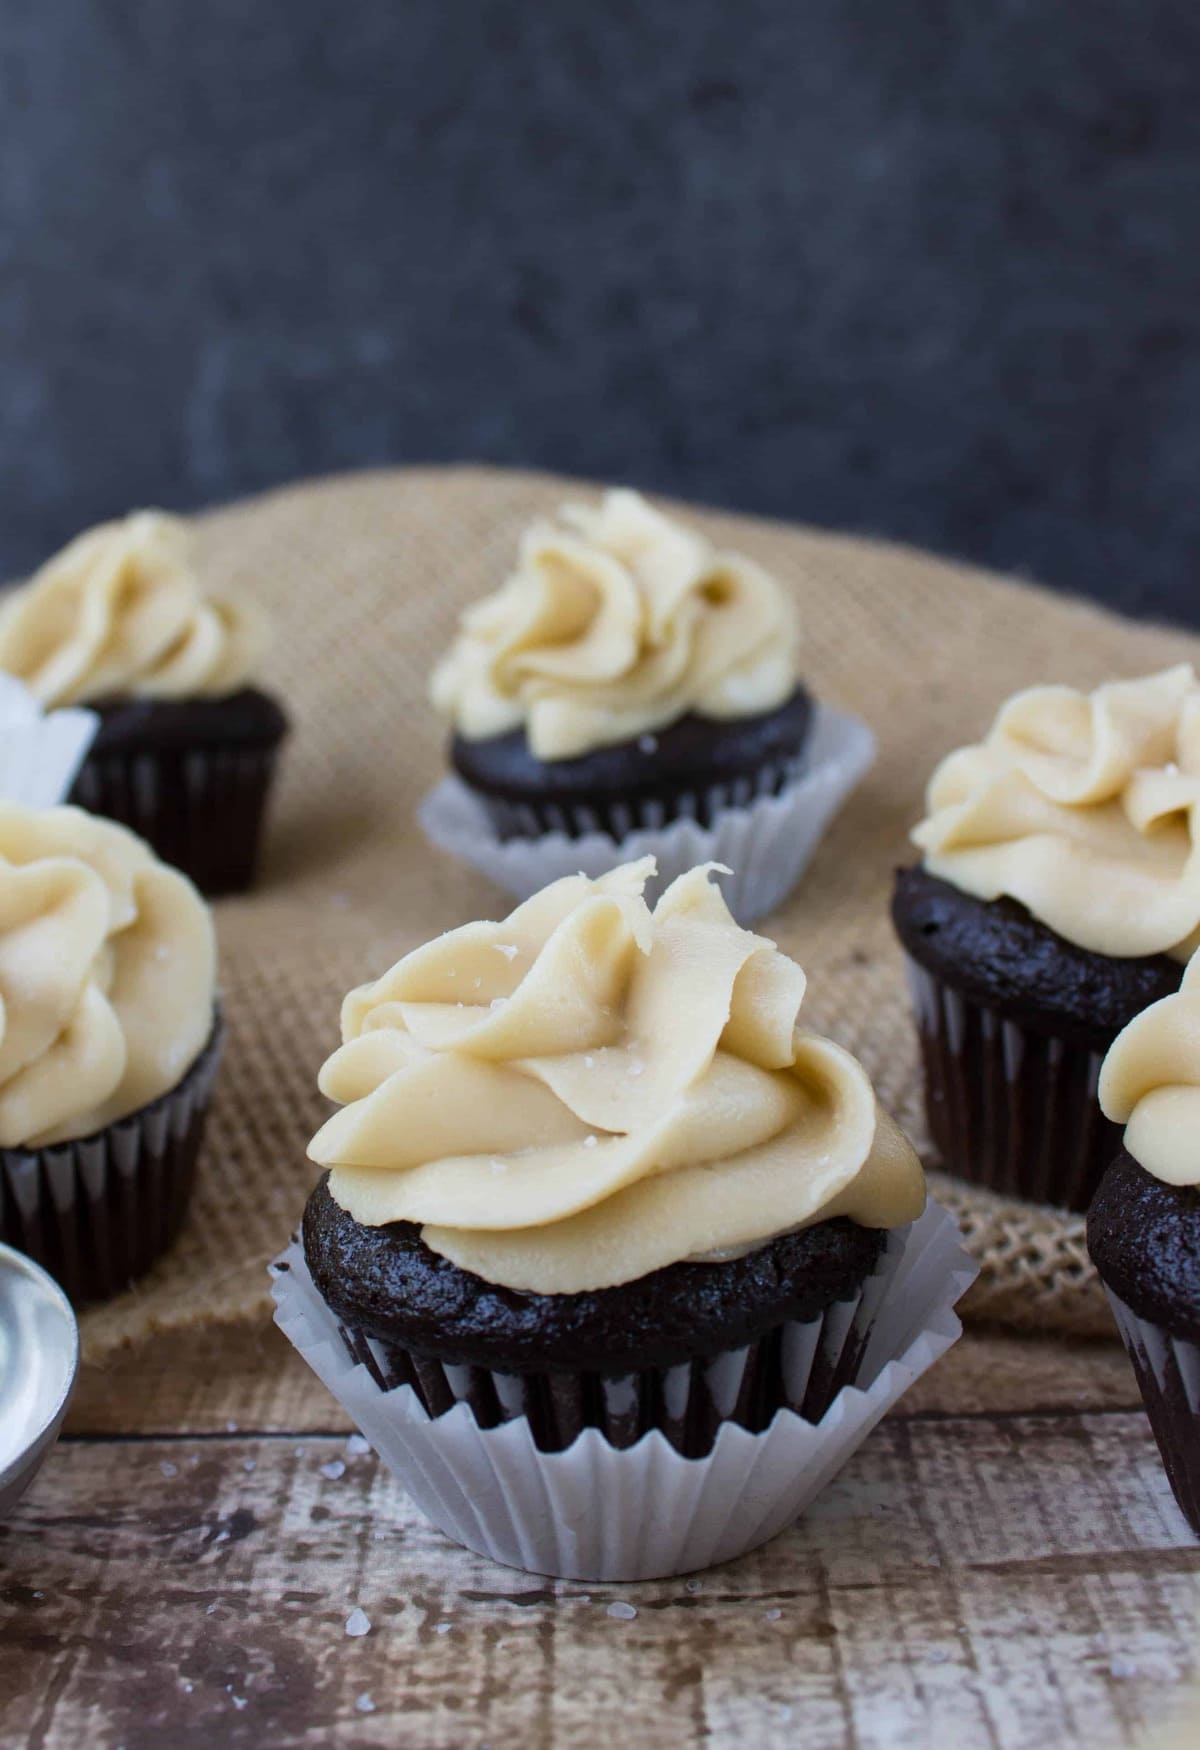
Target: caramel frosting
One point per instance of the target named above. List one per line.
(590, 1090)
(616, 622)
(1150, 1083)
(120, 613)
(107, 975)
(1085, 807)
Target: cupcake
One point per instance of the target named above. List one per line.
(109, 1041)
(186, 748)
(1057, 896)
(1143, 1229)
(629, 680)
(590, 1191)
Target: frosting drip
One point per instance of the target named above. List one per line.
(590, 1090)
(616, 622)
(120, 613)
(1086, 809)
(1150, 1083)
(107, 975)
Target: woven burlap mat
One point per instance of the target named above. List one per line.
(363, 576)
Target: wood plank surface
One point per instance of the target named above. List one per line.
(973, 1578)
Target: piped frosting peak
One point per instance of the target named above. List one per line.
(617, 621)
(1150, 1083)
(119, 613)
(591, 1090)
(1085, 807)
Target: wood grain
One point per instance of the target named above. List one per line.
(993, 1580)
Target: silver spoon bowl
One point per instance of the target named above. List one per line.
(39, 1360)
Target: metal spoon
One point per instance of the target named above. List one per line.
(39, 1359)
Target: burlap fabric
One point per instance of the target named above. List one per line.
(363, 577)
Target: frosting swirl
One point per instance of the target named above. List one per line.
(1150, 1083)
(107, 975)
(1085, 807)
(119, 613)
(616, 622)
(590, 1090)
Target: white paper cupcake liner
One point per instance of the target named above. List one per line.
(768, 843)
(800, 1367)
(40, 752)
(600, 1512)
(1168, 1376)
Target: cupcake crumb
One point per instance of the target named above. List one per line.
(357, 1445)
(333, 1470)
(621, 1611)
(358, 1622)
(364, 1704)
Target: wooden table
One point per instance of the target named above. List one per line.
(1002, 1564)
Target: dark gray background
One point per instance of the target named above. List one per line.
(926, 270)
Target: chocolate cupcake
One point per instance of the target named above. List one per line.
(595, 1209)
(108, 1048)
(186, 749)
(683, 1349)
(1058, 895)
(627, 674)
(1143, 1228)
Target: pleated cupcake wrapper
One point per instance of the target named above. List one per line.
(98, 1211)
(800, 1367)
(1168, 1375)
(200, 809)
(768, 841)
(1009, 1108)
(617, 820)
(601, 1511)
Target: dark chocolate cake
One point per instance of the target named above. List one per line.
(1144, 1239)
(694, 766)
(1013, 1022)
(600, 1359)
